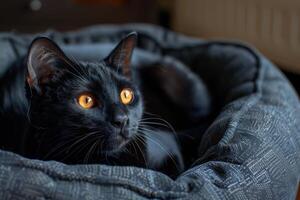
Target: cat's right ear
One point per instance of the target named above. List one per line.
(44, 59)
(120, 57)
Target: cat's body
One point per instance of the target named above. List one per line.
(42, 115)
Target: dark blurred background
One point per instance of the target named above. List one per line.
(39, 15)
(272, 26)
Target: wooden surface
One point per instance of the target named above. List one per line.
(272, 26)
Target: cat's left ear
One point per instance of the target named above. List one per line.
(120, 57)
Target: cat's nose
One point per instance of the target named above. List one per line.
(120, 120)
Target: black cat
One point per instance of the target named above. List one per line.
(53, 108)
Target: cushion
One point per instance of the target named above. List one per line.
(251, 149)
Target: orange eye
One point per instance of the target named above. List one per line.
(86, 101)
(126, 96)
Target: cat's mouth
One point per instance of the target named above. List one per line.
(117, 140)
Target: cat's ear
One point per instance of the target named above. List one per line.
(44, 59)
(120, 56)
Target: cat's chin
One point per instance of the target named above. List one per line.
(115, 148)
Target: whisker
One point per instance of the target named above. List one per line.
(154, 123)
(165, 121)
(80, 147)
(56, 148)
(167, 124)
(87, 156)
(164, 149)
(138, 146)
(83, 138)
(67, 150)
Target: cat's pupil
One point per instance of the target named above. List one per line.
(126, 94)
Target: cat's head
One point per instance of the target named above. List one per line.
(97, 103)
